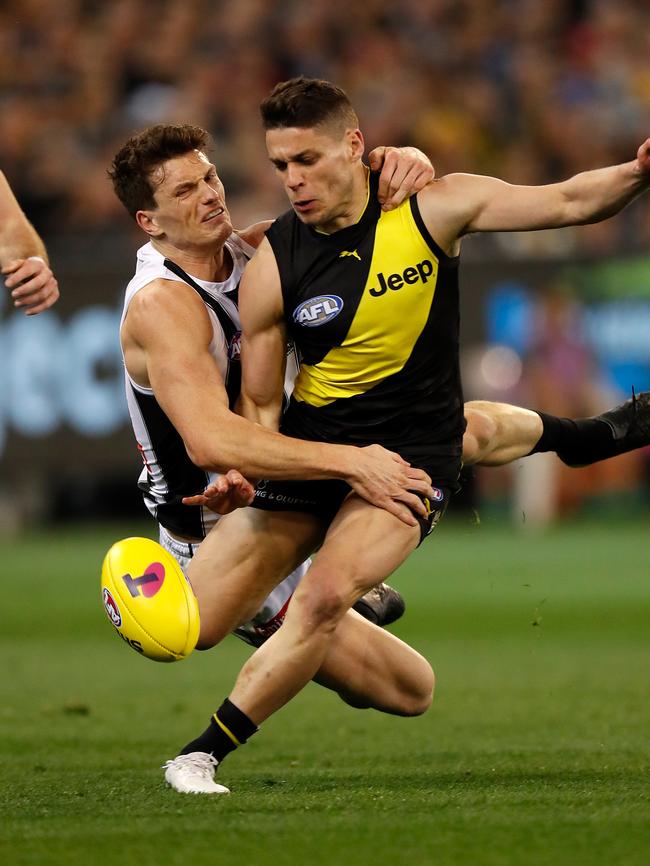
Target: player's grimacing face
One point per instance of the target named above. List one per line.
(190, 198)
(316, 167)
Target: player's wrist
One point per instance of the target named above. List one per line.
(345, 463)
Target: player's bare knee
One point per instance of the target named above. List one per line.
(322, 606)
(419, 696)
(481, 433)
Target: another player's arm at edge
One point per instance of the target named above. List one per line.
(459, 204)
(23, 257)
(18, 237)
(166, 337)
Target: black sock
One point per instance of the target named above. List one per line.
(228, 728)
(576, 442)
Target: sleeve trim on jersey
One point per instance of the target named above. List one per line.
(443, 258)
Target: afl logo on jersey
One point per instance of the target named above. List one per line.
(317, 311)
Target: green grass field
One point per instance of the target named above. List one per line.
(536, 750)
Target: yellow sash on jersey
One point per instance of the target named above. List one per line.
(391, 315)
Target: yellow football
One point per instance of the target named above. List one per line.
(149, 601)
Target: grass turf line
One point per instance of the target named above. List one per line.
(535, 752)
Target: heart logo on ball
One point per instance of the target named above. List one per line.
(149, 582)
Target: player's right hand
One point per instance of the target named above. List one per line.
(386, 480)
(224, 494)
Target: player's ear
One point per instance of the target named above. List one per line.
(356, 143)
(146, 220)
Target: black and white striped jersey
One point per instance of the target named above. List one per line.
(168, 473)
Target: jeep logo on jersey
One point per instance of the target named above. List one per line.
(317, 311)
(421, 271)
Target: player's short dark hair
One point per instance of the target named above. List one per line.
(305, 103)
(133, 164)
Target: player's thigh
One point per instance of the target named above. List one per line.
(370, 667)
(362, 547)
(242, 559)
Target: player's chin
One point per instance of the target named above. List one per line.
(219, 228)
(307, 212)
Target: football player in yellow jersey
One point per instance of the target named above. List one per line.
(316, 147)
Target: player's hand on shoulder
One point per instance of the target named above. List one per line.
(254, 235)
(386, 480)
(643, 159)
(404, 172)
(32, 284)
(225, 494)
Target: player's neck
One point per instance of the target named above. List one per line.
(354, 208)
(213, 265)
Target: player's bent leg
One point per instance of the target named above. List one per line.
(339, 576)
(498, 433)
(373, 669)
(241, 560)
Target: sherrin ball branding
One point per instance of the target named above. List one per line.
(148, 600)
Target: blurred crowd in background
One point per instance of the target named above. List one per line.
(532, 91)
(526, 90)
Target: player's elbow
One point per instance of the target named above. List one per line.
(481, 432)
(203, 454)
(200, 455)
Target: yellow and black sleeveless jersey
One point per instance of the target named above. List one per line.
(374, 311)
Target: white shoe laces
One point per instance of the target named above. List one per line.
(200, 764)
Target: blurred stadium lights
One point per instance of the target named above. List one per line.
(501, 367)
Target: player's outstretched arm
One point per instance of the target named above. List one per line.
(23, 258)
(459, 204)
(404, 172)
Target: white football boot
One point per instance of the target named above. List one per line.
(193, 774)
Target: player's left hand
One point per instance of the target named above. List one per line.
(404, 172)
(643, 158)
(32, 284)
(225, 494)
